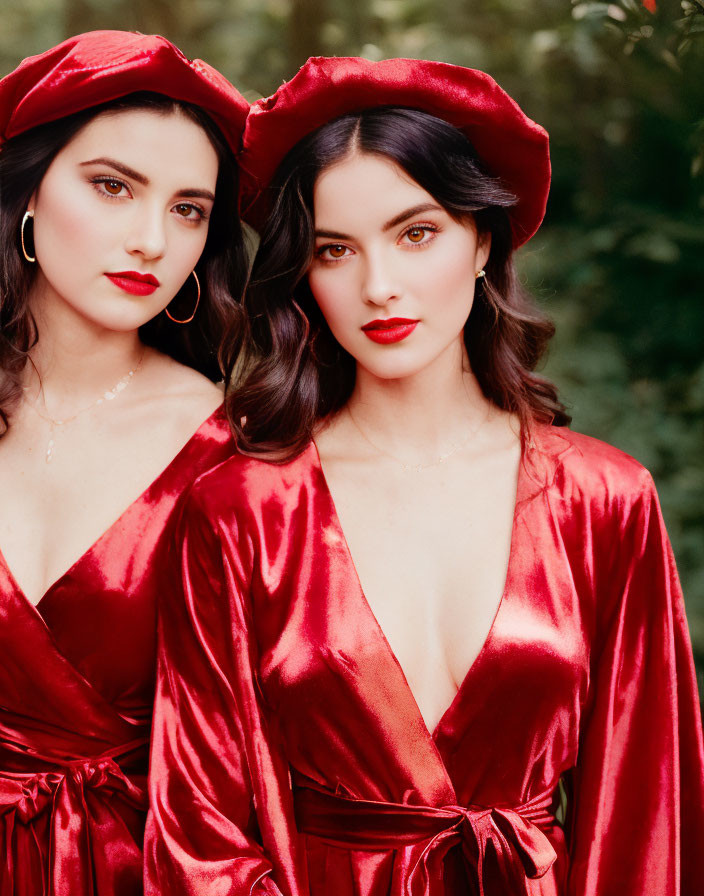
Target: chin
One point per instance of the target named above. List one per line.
(125, 322)
(393, 368)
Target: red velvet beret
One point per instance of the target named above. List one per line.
(510, 145)
(100, 66)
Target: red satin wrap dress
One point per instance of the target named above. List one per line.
(290, 757)
(77, 682)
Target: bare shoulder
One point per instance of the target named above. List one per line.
(332, 438)
(165, 406)
(179, 394)
(500, 432)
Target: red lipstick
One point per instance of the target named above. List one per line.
(135, 283)
(390, 329)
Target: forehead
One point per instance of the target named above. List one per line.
(365, 187)
(159, 145)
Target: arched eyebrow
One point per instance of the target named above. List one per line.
(118, 166)
(143, 179)
(411, 213)
(394, 222)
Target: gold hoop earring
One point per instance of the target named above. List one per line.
(188, 319)
(27, 216)
(479, 274)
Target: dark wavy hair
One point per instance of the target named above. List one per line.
(222, 268)
(285, 370)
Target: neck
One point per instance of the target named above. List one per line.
(75, 359)
(422, 414)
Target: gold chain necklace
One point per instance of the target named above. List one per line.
(109, 395)
(417, 468)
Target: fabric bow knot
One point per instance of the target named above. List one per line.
(503, 846)
(78, 797)
(30, 795)
(520, 848)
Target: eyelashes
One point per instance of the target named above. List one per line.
(420, 229)
(331, 248)
(425, 231)
(201, 213)
(112, 188)
(104, 184)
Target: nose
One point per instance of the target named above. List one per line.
(147, 236)
(380, 284)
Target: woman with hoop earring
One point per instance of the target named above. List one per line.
(121, 260)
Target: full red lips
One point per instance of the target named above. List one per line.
(391, 329)
(135, 283)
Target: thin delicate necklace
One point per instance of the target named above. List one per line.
(417, 468)
(55, 424)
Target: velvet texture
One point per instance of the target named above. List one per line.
(290, 757)
(510, 145)
(76, 692)
(99, 66)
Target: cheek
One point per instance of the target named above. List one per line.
(319, 285)
(184, 245)
(67, 227)
(448, 282)
(331, 291)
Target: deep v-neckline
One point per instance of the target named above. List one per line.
(446, 715)
(83, 557)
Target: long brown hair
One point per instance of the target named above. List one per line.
(284, 368)
(222, 268)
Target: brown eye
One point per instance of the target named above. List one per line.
(332, 252)
(114, 187)
(184, 210)
(416, 234)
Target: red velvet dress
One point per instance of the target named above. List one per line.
(76, 693)
(290, 757)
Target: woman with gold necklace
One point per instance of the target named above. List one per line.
(121, 257)
(416, 611)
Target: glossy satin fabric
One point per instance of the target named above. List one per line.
(289, 755)
(76, 692)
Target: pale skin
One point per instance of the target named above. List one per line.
(431, 546)
(149, 214)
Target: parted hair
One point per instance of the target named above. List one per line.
(284, 369)
(222, 268)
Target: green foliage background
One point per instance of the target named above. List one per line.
(619, 262)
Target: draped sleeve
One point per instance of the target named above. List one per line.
(638, 817)
(219, 788)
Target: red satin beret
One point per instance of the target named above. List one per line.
(100, 66)
(510, 145)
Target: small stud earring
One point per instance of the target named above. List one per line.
(479, 274)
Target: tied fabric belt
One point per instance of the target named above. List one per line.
(521, 849)
(67, 792)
